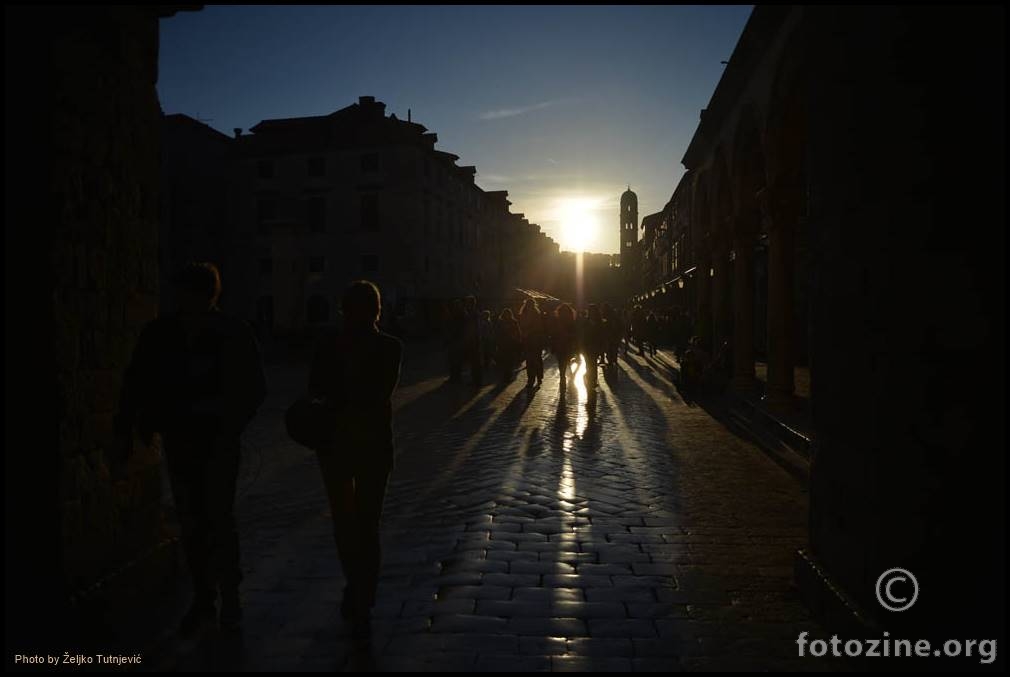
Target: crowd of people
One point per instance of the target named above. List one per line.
(196, 379)
(500, 342)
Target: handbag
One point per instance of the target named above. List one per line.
(310, 422)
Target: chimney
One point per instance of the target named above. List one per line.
(238, 132)
(366, 100)
(408, 115)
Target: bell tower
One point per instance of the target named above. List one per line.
(629, 228)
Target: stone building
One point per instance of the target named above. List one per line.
(630, 253)
(817, 225)
(81, 262)
(653, 258)
(321, 201)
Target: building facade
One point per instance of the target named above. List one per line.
(357, 194)
(814, 228)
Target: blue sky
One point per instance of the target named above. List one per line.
(562, 106)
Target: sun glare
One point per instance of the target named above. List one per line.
(579, 224)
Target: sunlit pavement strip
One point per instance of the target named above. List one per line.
(623, 532)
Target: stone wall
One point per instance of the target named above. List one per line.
(105, 248)
(907, 225)
(82, 279)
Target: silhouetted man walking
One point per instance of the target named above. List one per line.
(196, 378)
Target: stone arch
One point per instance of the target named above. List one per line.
(748, 177)
(749, 171)
(721, 208)
(784, 205)
(785, 123)
(701, 218)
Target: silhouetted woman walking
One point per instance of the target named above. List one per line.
(356, 372)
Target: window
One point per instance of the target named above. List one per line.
(266, 266)
(265, 169)
(369, 263)
(370, 162)
(370, 212)
(315, 213)
(317, 264)
(317, 166)
(319, 310)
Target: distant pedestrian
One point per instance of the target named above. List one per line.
(639, 328)
(531, 326)
(486, 330)
(592, 343)
(625, 319)
(653, 328)
(563, 340)
(695, 365)
(471, 339)
(456, 330)
(611, 333)
(509, 340)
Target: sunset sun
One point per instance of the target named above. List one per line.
(579, 223)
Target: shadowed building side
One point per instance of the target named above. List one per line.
(82, 279)
(841, 218)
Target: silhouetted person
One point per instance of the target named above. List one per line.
(612, 333)
(355, 373)
(625, 329)
(716, 376)
(455, 335)
(638, 328)
(692, 370)
(487, 347)
(681, 329)
(592, 343)
(196, 378)
(509, 341)
(531, 325)
(471, 338)
(563, 340)
(549, 319)
(652, 331)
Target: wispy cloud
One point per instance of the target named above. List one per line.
(495, 178)
(512, 112)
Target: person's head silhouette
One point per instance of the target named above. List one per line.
(362, 305)
(199, 287)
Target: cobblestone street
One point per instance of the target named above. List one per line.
(625, 531)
